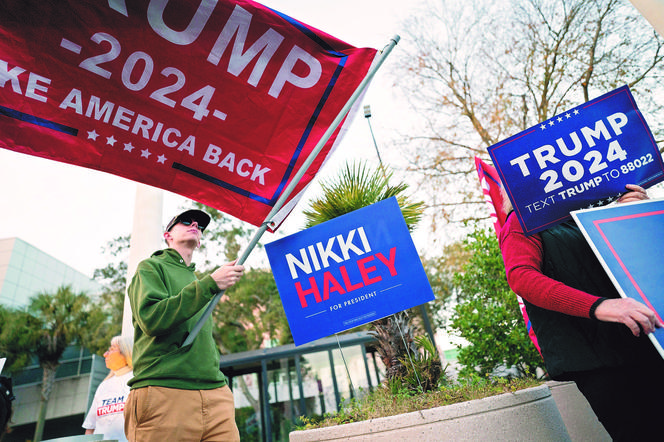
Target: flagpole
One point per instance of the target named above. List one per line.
(294, 182)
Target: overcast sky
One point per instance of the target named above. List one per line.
(71, 213)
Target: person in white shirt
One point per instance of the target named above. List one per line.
(106, 415)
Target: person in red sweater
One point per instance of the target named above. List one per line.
(587, 332)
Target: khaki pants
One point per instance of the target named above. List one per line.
(167, 414)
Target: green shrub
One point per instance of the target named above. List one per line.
(488, 315)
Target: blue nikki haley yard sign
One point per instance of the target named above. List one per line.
(578, 159)
(349, 271)
(628, 240)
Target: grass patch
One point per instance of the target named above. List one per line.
(383, 402)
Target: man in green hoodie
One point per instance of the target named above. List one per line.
(178, 393)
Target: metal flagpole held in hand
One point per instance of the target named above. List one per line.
(296, 179)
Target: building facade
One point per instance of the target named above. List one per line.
(25, 271)
(273, 387)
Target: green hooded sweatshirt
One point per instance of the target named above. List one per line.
(166, 301)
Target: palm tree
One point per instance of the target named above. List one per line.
(395, 342)
(54, 322)
(357, 186)
(14, 343)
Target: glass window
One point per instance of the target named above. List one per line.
(317, 383)
(352, 373)
(246, 393)
(376, 368)
(284, 397)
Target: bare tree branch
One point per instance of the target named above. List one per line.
(478, 72)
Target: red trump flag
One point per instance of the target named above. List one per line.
(490, 183)
(491, 188)
(218, 100)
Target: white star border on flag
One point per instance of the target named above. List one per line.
(127, 147)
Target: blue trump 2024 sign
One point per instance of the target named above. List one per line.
(578, 159)
(628, 239)
(349, 271)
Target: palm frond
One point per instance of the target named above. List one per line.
(359, 186)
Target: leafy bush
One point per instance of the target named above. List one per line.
(488, 315)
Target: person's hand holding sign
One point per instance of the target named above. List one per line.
(636, 193)
(635, 315)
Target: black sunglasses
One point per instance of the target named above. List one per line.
(190, 222)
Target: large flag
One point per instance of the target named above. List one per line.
(218, 100)
(491, 188)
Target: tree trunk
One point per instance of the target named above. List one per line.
(47, 385)
(247, 394)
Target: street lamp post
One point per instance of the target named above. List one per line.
(423, 311)
(367, 115)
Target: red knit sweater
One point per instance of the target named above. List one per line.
(523, 265)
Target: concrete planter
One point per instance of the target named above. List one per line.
(579, 418)
(529, 414)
